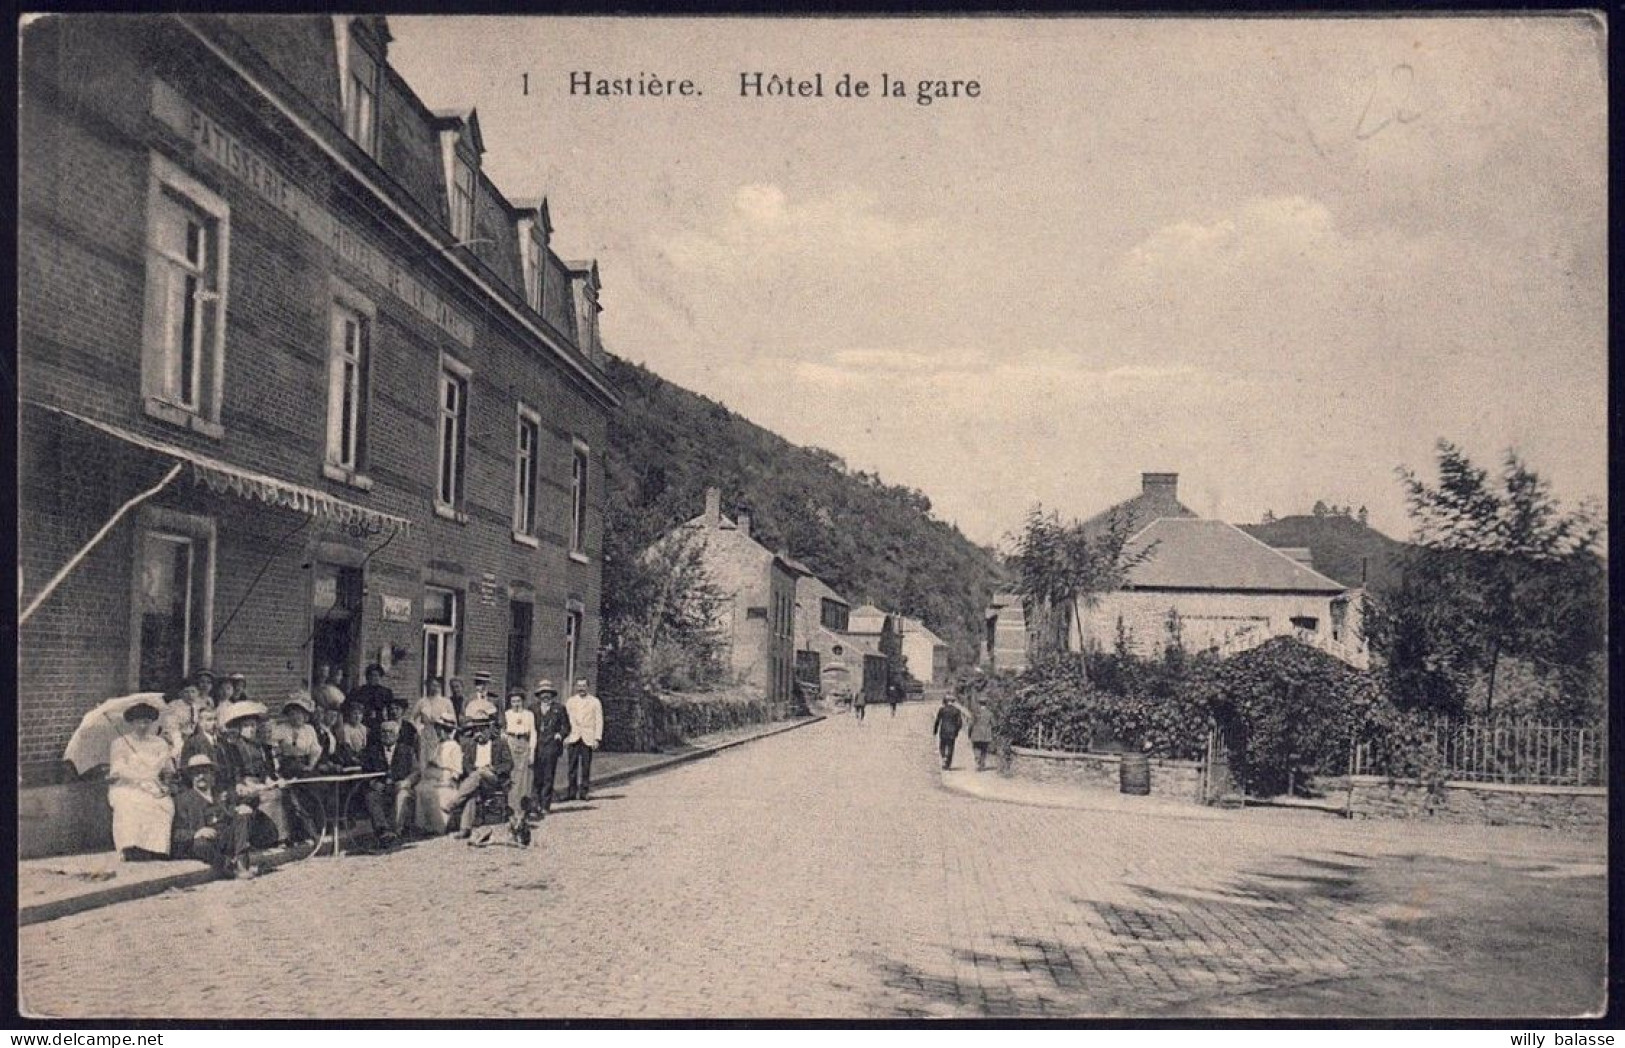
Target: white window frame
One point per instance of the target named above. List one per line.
(168, 187)
(575, 620)
(200, 532)
(580, 467)
(451, 371)
(462, 197)
(446, 638)
(346, 460)
(526, 470)
(360, 92)
(533, 272)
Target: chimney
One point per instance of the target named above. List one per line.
(1165, 485)
(743, 517)
(713, 507)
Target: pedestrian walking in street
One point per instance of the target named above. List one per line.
(552, 728)
(208, 826)
(139, 765)
(946, 728)
(894, 693)
(586, 731)
(860, 702)
(980, 731)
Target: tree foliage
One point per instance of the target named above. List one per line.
(1062, 567)
(1499, 570)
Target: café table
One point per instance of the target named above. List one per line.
(340, 789)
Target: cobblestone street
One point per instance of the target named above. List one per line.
(825, 872)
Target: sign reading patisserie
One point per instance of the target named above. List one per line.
(230, 153)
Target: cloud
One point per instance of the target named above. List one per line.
(1264, 230)
(764, 225)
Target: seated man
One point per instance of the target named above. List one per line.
(389, 799)
(487, 763)
(208, 827)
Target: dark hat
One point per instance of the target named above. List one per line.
(482, 677)
(375, 667)
(201, 673)
(141, 711)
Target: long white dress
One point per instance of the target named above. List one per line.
(142, 809)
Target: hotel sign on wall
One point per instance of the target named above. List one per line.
(397, 609)
(229, 152)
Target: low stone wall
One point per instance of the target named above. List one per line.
(1179, 780)
(1484, 803)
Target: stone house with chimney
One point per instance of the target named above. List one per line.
(758, 612)
(1206, 585)
(926, 654)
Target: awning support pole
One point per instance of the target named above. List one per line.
(56, 580)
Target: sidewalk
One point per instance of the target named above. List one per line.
(991, 786)
(66, 884)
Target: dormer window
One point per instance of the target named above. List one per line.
(361, 101)
(462, 201)
(533, 274)
(362, 44)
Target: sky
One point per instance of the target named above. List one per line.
(1278, 257)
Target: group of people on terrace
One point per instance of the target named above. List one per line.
(211, 773)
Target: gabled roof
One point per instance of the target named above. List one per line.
(918, 628)
(1211, 555)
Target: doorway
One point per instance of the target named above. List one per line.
(521, 614)
(335, 636)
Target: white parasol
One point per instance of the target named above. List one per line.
(91, 744)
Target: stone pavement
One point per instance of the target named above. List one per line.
(56, 886)
(826, 872)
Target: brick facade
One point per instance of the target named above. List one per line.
(247, 108)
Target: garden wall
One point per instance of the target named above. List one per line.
(1179, 780)
(1485, 803)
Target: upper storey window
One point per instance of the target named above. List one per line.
(361, 107)
(462, 201)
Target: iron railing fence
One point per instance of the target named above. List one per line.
(1502, 749)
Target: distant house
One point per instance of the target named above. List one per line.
(1004, 637)
(1208, 585)
(758, 612)
(925, 652)
(821, 647)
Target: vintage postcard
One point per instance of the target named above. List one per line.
(870, 518)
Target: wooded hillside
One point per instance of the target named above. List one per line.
(871, 541)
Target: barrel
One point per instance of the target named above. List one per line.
(1134, 774)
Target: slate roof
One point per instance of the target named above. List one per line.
(1197, 554)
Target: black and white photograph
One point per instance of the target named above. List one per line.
(885, 519)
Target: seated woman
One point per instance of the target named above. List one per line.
(248, 767)
(299, 753)
(441, 764)
(139, 762)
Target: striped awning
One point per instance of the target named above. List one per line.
(226, 479)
